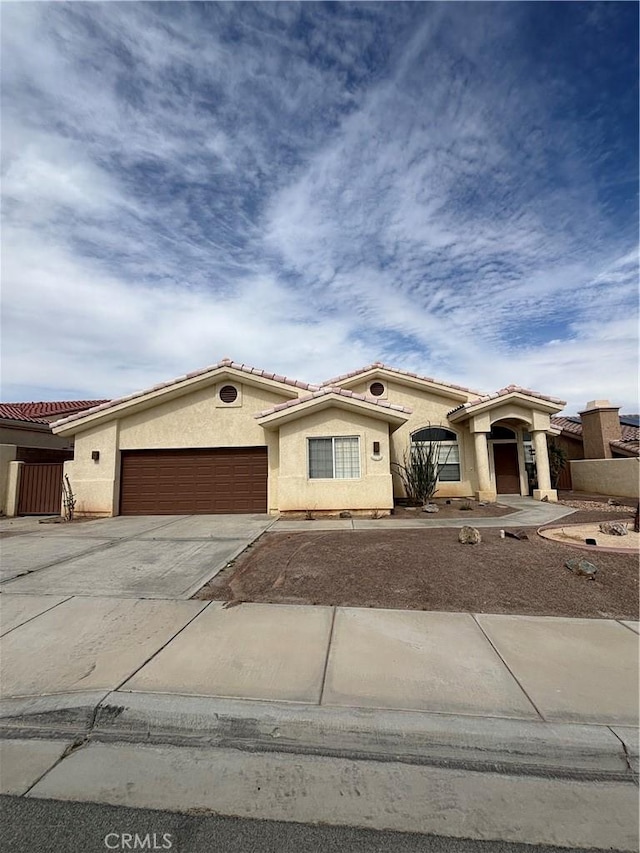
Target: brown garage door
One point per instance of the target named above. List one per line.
(176, 482)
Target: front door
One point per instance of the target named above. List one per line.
(505, 457)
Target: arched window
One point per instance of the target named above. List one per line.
(449, 453)
(502, 433)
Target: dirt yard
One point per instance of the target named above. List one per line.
(461, 508)
(429, 570)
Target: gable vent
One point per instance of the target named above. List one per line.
(228, 394)
(376, 389)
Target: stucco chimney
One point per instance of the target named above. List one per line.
(600, 425)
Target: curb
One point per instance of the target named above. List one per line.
(497, 745)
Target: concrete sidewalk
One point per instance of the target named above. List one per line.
(542, 669)
(529, 513)
(484, 726)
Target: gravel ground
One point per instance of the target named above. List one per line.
(430, 570)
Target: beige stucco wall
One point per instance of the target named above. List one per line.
(7, 455)
(429, 409)
(96, 485)
(193, 420)
(373, 490)
(620, 477)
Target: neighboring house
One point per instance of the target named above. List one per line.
(232, 438)
(599, 432)
(25, 436)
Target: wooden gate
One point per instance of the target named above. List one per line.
(40, 490)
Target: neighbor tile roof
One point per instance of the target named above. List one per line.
(504, 392)
(325, 392)
(378, 365)
(226, 362)
(629, 439)
(42, 411)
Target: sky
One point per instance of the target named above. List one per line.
(448, 188)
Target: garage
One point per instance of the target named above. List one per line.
(186, 482)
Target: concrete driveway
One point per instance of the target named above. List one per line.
(126, 557)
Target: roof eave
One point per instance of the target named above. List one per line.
(537, 403)
(275, 420)
(169, 391)
(403, 379)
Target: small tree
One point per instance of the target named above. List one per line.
(557, 462)
(419, 471)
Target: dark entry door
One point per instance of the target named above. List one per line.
(505, 457)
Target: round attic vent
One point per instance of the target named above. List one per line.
(228, 394)
(376, 389)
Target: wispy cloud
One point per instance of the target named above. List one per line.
(447, 187)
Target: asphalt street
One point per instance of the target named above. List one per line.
(49, 826)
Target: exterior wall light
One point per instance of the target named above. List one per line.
(95, 455)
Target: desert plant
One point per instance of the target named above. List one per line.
(557, 462)
(467, 506)
(419, 471)
(68, 499)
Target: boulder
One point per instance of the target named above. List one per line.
(613, 502)
(345, 514)
(516, 534)
(580, 566)
(469, 536)
(430, 508)
(613, 528)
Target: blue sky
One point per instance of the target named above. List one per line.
(449, 188)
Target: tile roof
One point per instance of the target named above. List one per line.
(327, 391)
(504, 392)
(380, 366)
(567, 425)
(629, 439)
(13, 412)
(225, 362)
(41, 412)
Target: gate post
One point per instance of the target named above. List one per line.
(13, 487)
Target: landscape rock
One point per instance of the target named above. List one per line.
(516, 534)
(469, 536)
(345, 514)
(580, 566)
(613, 528)
(430, 508)
(613, 502)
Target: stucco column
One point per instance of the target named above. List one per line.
(13, 488)
(544, 489)
(485, 491)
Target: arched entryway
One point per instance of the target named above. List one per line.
(509, 453)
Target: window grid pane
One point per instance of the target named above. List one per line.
(347, 457)
(320, 458)
(448, 460)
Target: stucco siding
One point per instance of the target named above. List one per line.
(96, 484)
(430, 409)
(619, 477)
(372, 490)
(198, 420)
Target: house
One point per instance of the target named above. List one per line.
(232, 438)
(26, 437)
(598, 432)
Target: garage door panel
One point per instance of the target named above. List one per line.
(216, 480)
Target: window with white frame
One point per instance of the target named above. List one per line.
(448, 455)
(334, 458)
